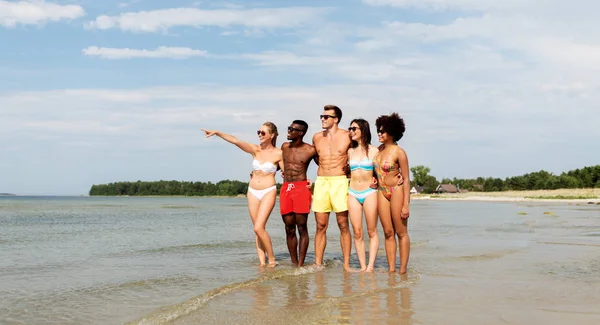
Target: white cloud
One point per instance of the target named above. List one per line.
(273, 58)
(565, 41)
(158, 53)
(36, 12)
(450, 4)
(499, 82)
(162, 20)
(457, 127)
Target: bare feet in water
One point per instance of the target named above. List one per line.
(273, 264)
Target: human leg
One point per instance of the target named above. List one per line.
(322, 221)
(338, 193)
(383, 208)
(321, 205)
(253, 204)
(301, 198)
(290, 234)
(355, 211)
(301, 220)
(262, 216)
(370, 210)
(345, 237)
(400, 227)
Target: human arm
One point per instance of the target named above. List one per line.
(373, 151)
(315, 152)
(346, 167)
(281, 165)
(403, 161)
(245, 146)
(281, 168)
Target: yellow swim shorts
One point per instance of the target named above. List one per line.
(331, 192)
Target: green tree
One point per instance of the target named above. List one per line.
(420, 174)
(430, 184)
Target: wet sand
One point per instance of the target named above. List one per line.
(471, 263)
(575, 196)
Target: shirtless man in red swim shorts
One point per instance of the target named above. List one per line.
(295, 196)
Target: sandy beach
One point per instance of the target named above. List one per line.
(577, 196)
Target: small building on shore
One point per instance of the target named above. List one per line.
(447, 188)
(417, 189)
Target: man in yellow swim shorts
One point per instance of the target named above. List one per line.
(331, 187)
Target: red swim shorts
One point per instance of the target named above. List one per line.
(295, 197)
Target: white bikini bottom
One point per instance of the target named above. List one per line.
(259, 194)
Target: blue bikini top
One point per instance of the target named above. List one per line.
(365, 164)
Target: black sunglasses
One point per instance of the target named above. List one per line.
(259, 132)
(381, 131)
(352, 129)
(291, 129)
(325, 117)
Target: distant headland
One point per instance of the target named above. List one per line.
(535, 185)
(7, 194)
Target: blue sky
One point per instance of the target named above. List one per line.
(102, 91)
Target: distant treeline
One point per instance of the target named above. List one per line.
(140, 188)
(587, 177)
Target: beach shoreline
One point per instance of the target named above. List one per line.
(587, 196)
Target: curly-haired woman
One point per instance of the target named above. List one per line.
(391, 168)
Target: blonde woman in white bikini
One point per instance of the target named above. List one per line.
(262, 189)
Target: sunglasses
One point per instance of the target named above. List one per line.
(352, 129)
(291, 129)
(325, 117)
(380, 131)
(259, 132)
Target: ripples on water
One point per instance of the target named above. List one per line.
(192, 261)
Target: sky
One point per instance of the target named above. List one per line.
(93, 92)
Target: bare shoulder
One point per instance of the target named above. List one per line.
(255, 149)
(318, 137)
(285, 145)
(373, 151)
(400, 153)
(307, 146)
(343, 133)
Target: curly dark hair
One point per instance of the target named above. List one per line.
(365, 131)
(391, 124)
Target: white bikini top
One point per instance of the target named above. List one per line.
(266, 167)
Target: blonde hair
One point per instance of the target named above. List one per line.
(273, 128)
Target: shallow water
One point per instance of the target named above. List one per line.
(82, 260)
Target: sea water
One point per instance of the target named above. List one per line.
(130, 260)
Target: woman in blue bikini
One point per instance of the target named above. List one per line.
(361, 197)
(262, 188)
